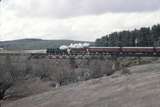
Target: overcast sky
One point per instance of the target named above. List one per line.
(74, 19)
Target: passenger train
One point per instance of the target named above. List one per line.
(104, 50)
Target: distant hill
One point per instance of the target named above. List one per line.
(36, 43)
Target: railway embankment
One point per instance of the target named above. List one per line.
(140, 88)
(24, 75)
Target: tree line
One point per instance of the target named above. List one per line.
(144, 37)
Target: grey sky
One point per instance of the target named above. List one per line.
(74, 19)
(68, 8)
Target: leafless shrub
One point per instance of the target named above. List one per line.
(6, 76)
(125, 71)
(58, 71)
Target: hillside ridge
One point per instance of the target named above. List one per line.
(32, 43)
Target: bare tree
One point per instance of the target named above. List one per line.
(6, 76)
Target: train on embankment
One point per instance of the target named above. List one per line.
(86, 49)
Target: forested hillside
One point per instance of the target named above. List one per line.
(146, 36)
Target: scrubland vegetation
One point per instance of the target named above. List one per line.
(18, 71)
